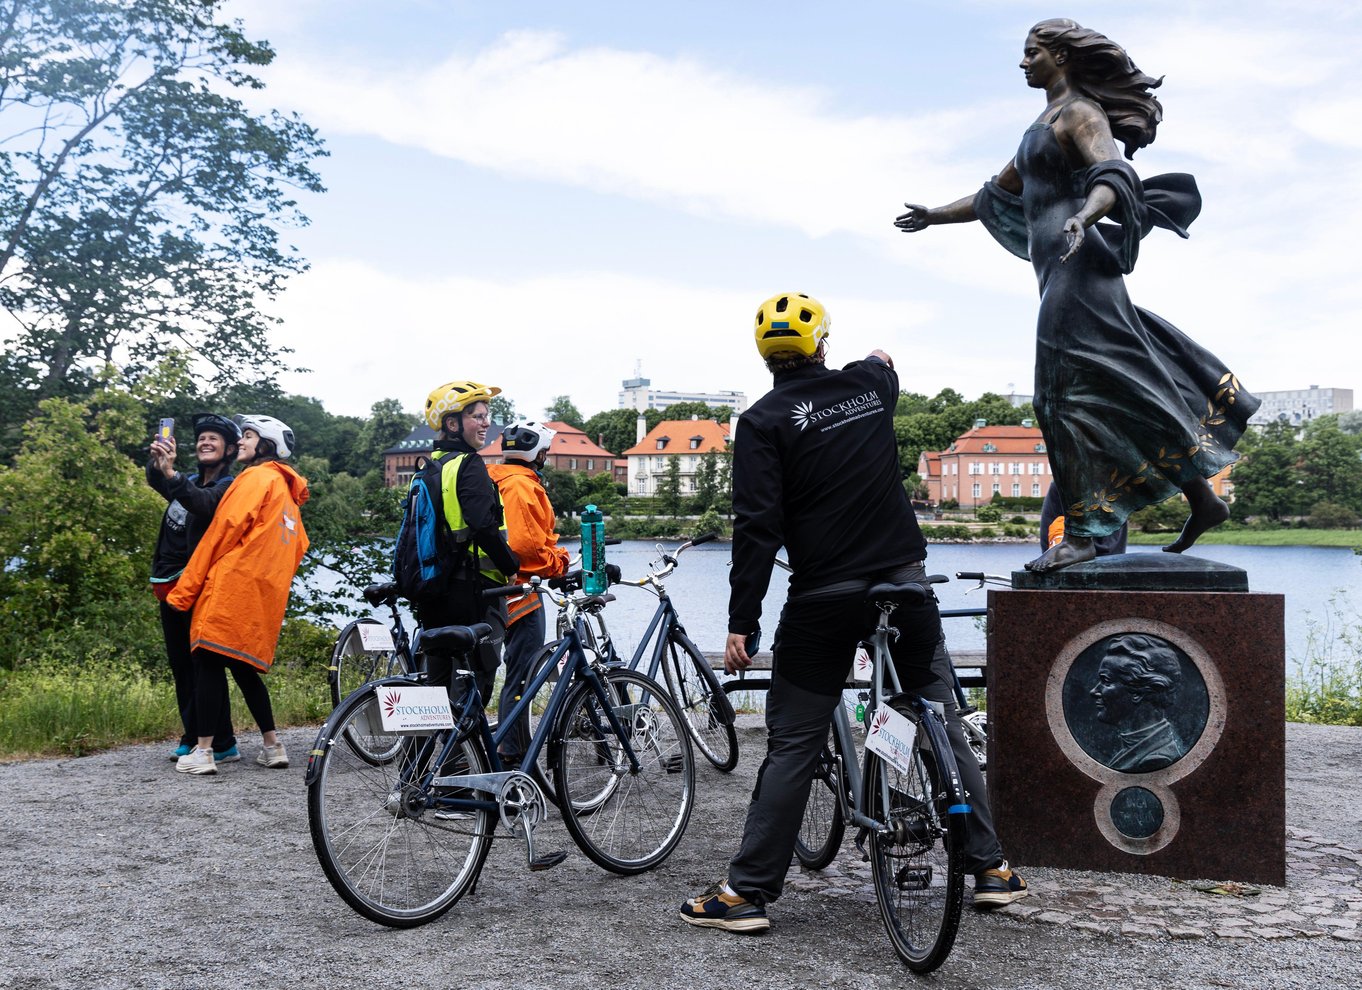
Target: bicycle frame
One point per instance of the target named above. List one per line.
(930, 719)
(472, 720)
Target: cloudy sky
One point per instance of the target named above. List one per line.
(539, 195)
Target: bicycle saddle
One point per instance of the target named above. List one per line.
(909, 593)
(454, 639)
(381, 594)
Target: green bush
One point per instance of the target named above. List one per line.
(947, 532)
(1331, 515)
(1018, 520)
(986, 533)
(1012, 529)
(989, 514)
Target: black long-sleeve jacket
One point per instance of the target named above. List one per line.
(816, 470)
(186, 518)
(481, 506)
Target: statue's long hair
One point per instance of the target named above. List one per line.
(1100, 69)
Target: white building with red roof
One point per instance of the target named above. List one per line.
(686, 440)
(986, 461)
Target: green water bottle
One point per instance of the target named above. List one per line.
(594, 579)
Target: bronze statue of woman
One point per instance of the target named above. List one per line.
(1133, 411)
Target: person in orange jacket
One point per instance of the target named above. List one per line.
(530, 533)
(237, 582)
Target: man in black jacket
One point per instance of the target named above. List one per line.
(815, 470)
(191, 501)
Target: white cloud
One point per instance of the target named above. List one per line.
(368, 334)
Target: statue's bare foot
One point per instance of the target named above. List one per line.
(1206, 514)
(1070, 550)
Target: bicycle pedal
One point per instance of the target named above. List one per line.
(547, 862)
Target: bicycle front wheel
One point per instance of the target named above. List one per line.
(390, 855)
(352, 666)
(821, 831)
(704, 706)
(627, 819)
(918, 863)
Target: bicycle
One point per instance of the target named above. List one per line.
(403, 837)
(906, 799)
(364, 651)
(693, 684)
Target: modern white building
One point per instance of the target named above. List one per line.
(638, 393)
(1299, 406)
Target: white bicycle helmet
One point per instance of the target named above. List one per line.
(525, 441)
(269, 428)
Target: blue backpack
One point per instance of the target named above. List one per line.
(424, 556)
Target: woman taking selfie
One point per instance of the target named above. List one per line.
(237, 583)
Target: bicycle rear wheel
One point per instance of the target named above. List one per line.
(704, 706)
(821, 831)
(352, 666)
(918, 864)
(379, 843)
(626, 820)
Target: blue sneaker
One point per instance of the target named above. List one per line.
(229, 755)
(180, 750)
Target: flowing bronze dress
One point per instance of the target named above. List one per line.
(1129, 406)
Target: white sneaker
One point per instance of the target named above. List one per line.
(197, 761)
(273, 757)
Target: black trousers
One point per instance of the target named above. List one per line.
(813, 650)
(175, 629)
(463, 607)
(211, 686)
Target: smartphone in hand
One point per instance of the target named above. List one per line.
(166, 431)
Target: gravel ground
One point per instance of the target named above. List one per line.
(120, 873)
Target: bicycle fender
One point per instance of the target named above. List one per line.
(324, 739)
(929, 719)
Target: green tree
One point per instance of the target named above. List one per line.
(723, 488)
(561, 410)
(601, 491)
(142, 201)
(1266, 477)
(386, 425)
(1331, 464)
(706, 482)
(564, 489)
(617, 428)
(669, 488)
(80, 520)
(502, 409)
(685, 410)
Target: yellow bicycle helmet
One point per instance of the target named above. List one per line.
(790, 324)
(453, 397)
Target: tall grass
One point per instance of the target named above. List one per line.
(1328, 689)
(54, 707)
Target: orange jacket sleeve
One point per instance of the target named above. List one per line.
(530, 525)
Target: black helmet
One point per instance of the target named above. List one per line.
(217, 424)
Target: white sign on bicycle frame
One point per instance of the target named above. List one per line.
(891, 736)
(863, 667)
(375, 637)
(406, 709)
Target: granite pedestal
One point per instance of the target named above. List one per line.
(1135, 728)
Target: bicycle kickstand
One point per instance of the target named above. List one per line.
(537, 863)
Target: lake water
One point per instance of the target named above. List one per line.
(1307, 576)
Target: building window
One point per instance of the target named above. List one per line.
(662, 443)
(591, 464)
(695, 443)
(976, 490)
(997, 488)
(990, 448)
(1035, 489)
(572, 464)
(1016, 489)
(995, 468)
(955, 467)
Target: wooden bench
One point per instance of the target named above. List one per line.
(970, 667)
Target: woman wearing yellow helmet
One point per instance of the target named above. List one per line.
(459, 414)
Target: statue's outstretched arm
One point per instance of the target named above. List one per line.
(961, 211)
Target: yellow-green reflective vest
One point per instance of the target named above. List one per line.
(458, 528)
